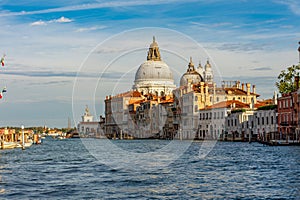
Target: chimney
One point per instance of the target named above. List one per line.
(254, 89)
(238, 84)
(243, 86)
(248, 85)
(296, 82)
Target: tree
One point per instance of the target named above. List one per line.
(286, 79)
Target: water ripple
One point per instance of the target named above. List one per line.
(65, 170)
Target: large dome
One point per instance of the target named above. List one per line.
(191, 76)
(153, 70)
(154, 76)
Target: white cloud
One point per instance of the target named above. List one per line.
(112, 4)
(93, 28)
(294, 5)
(59, 20)
(38, 23)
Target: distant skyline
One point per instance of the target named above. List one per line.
(46, 43)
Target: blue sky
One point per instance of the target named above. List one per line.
(46, 43)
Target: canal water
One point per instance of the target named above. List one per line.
(65, 169)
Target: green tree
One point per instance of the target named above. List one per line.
(286, 79)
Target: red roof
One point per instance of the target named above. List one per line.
(129, 94)
(237, 91)
(228, 104)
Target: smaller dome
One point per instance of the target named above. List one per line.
(191, 76)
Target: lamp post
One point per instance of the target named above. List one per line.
(23, 138)
(250, 134)
(180, 134)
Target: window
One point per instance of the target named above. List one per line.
(262, 121)
(258, 121)
(272, 120)
(267, 120)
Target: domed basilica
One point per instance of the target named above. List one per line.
(154, 76)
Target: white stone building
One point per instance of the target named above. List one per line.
(265, 121)
(212, 120)
(88, 127)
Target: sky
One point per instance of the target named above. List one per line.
(64, 55)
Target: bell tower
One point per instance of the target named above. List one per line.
(208, 73)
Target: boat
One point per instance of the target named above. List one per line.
(61, 137)
(28, 144)
(8, 145)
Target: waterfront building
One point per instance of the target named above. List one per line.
(155, 108)
(88, 127)
(212, 119)
(205, 97)
(238, 121)
(265, 124)
(288, 113)
(139, 113)
(251, 121)
(287, 117)
(152, 117)
(117, 118)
